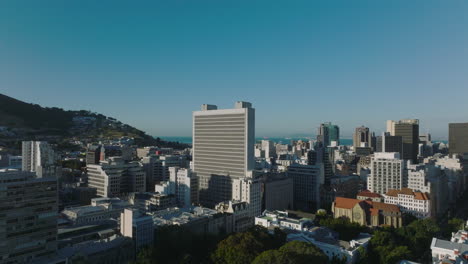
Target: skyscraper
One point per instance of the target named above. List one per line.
(28, 216)
(328, 133)
(362, 137)
(458, 138)
(408, 129)
(388, 143)
(223, 149)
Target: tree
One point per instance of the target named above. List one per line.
(246, 246)
(454, 225)
(346, 229)
(238, 248)
(397, 254)
(294, 252)
(272, 256)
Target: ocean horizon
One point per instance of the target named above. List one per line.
(282, 140)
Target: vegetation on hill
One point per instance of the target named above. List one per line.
(25, 121)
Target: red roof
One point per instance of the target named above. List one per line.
(408, 191)
(374, 207)
(346, 203)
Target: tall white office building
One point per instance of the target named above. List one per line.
(39, 157)
(387, 172)
(223, 149)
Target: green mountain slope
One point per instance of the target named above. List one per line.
(24, 121)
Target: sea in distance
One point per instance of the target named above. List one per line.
(282, 140)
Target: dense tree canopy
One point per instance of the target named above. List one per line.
(346, 229)
(244, 247)
(294, 252)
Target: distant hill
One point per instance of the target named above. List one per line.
(24, 121)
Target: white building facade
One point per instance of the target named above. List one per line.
(415, 203)
(387, 172)
(223, 149)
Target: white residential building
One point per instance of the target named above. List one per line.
(138, 226)
(223, 149)
(430, 179)
(387, 172)
(114, 177)
(415, 203)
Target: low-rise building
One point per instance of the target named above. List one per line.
(368, 195)
(198, 219)
(241, 218)
(101, 209)
(281, 219)
(448, 252)
(151, 201)
(415, 203)
(325, 240)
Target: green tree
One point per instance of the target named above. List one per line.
(246, 246)
(397, 254)
(294, 252)
(346, 229)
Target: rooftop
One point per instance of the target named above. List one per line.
(408, 191)
(367, 193)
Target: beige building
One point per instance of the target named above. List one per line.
(367, 212)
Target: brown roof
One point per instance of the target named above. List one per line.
(346, 203)
(421, 196)
(408, 191)
(375, 207)
(385, 207)
(367, 193)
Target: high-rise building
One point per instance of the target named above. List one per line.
(388, 143)
(408, 129)
(28, 216)
(307, 180)
(114, 177)
(328, 133)
(39, 157)
(458, 138)
(387, 172)
(223, 149)
(362, 137)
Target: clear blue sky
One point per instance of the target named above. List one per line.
(151, 63)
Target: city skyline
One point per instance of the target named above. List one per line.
(302, 64)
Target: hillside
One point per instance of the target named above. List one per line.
(24, 121)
